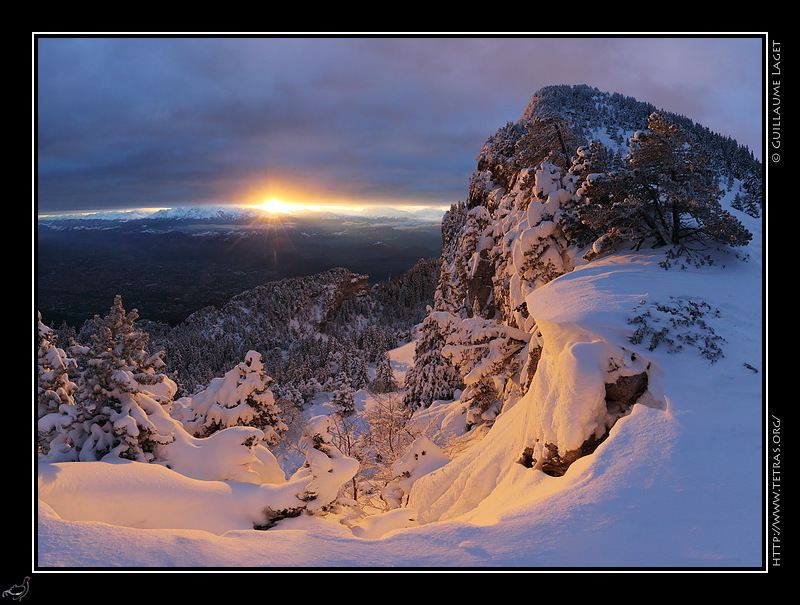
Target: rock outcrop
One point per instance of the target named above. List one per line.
(522, 226)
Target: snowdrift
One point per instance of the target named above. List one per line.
(676, 484)
(142, 495)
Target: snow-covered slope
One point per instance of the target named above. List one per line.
(675, 482)
(678, 483)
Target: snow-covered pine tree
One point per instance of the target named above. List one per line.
(432, 377)
(490, 356)
(343, 399)
(55, 406)
(359, 373)
(119, 386)
(664, 193)
(242, 397)
(384, 381)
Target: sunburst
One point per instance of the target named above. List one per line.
(276, 206)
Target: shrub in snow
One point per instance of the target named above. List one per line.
(675, 324)
(387, 434)
(242, 397)
(423, 457)
(376, 439)
(325, 471)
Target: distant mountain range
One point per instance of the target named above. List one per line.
(237, 214)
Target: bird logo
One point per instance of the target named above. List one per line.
(18, 591)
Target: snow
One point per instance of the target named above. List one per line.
(402, 359)
(677, 484)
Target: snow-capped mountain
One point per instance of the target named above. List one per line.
(586, 389)
(240, 214)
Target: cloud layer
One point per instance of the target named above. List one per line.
(153, 122)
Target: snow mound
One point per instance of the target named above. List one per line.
(377, 526)
(151, 496)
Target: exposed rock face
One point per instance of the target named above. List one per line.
(349, 285)
(507, 239)
(480, 285)
(621, 395)
(302, 316)
(624, 392)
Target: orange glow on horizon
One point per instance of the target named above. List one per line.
(276, 206)
(278, 200)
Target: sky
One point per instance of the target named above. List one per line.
(166, 121)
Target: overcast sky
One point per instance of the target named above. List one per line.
(163, 122)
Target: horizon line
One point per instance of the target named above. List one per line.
(288, 208)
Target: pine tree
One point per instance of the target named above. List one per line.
(54, 385)
(343, 398)
(56, 410)
(242, 397)
(360, 373)
(385, 381)
(119, 387)
(548, 138)
(665, 192)
(432, 377)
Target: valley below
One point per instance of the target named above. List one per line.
(168, 269)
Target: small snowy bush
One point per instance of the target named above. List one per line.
(326, 469)
(675, 324)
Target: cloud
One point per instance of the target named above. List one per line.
(167, 121)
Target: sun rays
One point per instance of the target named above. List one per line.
(277, 206)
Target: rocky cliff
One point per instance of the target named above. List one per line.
(531, 217)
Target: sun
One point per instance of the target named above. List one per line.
(276, 206)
